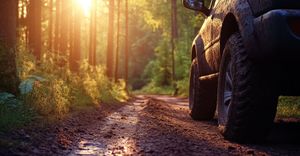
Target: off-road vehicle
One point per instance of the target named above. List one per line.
(246, 55)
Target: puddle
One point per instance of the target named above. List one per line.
(116, 133)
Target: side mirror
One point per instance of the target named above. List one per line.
(196, 5)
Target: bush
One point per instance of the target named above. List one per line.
(151, 88)
(183, 87)
(288, 106)
(50, 88)
(50, 97)
(12, 112)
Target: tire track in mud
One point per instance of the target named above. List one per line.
(160, 125)
(115, 134)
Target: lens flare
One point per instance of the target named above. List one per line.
(85, 5)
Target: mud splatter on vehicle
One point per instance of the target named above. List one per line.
(244, 58)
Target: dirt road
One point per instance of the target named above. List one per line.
(160, 125)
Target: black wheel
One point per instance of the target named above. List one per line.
(202, 96)
(246, 101)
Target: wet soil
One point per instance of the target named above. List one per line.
(148, 125)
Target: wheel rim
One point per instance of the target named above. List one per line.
(228, 87)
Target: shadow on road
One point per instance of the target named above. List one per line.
(285, 132)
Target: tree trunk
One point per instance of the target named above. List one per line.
(35, 27)
(8, 71)
(50, 25)
(76, 50)
(23, 22)
(174, 35)
(64, 25)
(110, 41)
(118, 42)
(57, 25)
(71, 34)
(93, 31)
(17, 19)
(126, 43)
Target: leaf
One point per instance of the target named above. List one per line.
(38, 78)
(9, 100)
(4, 96)
(26, 86)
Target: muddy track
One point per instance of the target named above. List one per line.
(160, 125)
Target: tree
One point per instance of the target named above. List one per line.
(71, 35)
(8, 22)
(64, 25)
(110, 40)
(174, 34)
(126, 43)
(57, 25)
(22, 21)
(118, 42)
(35, 27)
(17, 14)
(93, 31)
(50, 25)
(75, 51)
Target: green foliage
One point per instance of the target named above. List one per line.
(288, 106)
(93, 83)
(49, 97)
(183, 87)
(25, 62)
(12, 111)
(157, 15)
(9, 100)
(151, 88)
(14, 117)
(51, 90)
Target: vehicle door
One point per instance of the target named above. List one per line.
(206, 59)
(216, 17)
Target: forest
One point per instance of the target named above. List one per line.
(60, 54)
(60, 57)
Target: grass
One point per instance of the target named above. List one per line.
(152, 89)
(14, 117)
(288, 106)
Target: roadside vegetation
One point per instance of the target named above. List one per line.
(288, 107)
(49, 90)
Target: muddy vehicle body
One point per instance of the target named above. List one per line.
(246, 55)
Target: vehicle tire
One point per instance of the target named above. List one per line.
(202, 101)
(245, 97)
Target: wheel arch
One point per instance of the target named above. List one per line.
(229, 27)
(194, 53)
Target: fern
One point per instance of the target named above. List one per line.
(9, 100)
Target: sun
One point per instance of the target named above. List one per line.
(85, 5)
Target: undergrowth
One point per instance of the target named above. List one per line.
(12, 112)
(288, 106)
(179, 89)
(151, 88)
(49, 89)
